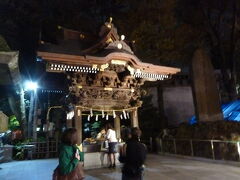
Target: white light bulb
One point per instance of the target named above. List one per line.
(122, 37)
(119, 46)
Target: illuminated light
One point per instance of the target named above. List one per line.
(52, 65)
(55, 65)
(29, 85)
(88, 118)
(59, 66)
(83, 67)
(122, 37)
(51, 68)
(119, 46)
(80, 67)
(78, 112)
(62, 66)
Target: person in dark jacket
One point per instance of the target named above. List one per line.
(69, 167)
(133, 155)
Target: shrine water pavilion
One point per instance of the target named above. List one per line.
(104, 77)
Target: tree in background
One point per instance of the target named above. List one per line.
(219, 21)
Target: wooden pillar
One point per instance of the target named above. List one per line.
(69, 123)
(117, 127)
(78, 124)
(134, 118)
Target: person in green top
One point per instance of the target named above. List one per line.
(69, 166)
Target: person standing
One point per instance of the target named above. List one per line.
(112, 143)
(133, 155)
(69, 167)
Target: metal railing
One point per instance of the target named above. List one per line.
(41, 150)
(214, 149)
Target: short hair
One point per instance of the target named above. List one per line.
(136, 133)
(69, 136)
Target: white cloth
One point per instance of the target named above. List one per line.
(111, 135)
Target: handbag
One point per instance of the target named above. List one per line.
(76, 174)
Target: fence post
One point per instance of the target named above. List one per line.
(212, 146)
(238, 148)
(151, 143)
(175, 148)
(161, 145)
(191, 144)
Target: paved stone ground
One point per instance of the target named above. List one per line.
(157, 168)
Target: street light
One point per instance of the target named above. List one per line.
(32, 116)
(30, 86)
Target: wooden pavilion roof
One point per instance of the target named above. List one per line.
(109, 49)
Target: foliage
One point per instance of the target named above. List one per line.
(221, 130)
(219, 22)
(19, 152)
(13, 123)
(218, 130)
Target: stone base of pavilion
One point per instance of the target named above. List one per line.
(94, 160)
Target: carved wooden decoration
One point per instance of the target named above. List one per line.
(109, 89)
